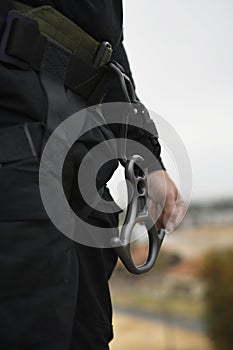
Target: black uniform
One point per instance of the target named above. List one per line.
(54, 293)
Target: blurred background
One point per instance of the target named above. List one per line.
(181, 54)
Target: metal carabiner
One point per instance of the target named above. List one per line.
(137, 212)
(136, 178)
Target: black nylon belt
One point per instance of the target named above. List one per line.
(23, 46)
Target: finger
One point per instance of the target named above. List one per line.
(180, 213)
(155, 210)
(169, 211)
(177, 215)
(159, 223)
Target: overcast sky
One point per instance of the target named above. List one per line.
(181, 54)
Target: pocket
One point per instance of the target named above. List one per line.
(34, 273)
(19, 188)
(33, 255)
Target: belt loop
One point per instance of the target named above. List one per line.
(21, 41)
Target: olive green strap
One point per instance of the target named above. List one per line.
(59, 28)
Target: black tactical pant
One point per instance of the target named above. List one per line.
(53, 292)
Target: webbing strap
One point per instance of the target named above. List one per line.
(27, 36)
(61, 29)
(23, 46)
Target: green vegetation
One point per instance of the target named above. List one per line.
(217, 272)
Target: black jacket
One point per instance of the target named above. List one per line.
(102, 19)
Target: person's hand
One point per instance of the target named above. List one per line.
(165, 203)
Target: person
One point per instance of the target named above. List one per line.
(54, 292)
